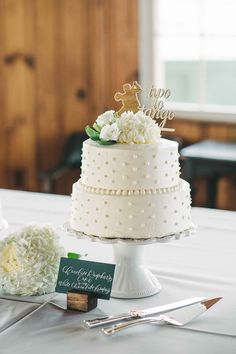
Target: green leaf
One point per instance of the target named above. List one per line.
(116, 115)
(97, 127)
(73, 255)
(92, 133)
(106, 142)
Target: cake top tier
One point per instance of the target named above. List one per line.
(130, 167)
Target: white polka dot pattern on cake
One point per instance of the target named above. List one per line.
(118, 167)
(131, 191)
(122, 216)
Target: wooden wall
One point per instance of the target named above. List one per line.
(61, 61)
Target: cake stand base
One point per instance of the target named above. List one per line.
(132, 278)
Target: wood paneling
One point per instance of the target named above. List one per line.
(3, 130)
(217, 132)
(48, 104)
(19, 114)
(188, 131)
(74, 64)
(59, 68)
(123, 43)
(99, 59)
(114, 51)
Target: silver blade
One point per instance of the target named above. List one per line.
(142, 313)
(170, 307)
(187, 314)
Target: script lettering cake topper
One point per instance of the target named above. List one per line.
(154, 107)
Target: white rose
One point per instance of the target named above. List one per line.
(106, 118)
(110, 132)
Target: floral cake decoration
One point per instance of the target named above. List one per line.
(129, 128)
(132, 124)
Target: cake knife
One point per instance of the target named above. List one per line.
(134, 314)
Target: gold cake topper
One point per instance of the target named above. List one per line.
(154, 107)
(129, 98)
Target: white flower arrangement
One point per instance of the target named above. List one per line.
(137, 128)
(129, 128)
(29, 261)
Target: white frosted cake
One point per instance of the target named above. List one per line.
(132, 188)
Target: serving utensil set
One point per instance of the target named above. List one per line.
(176, 314)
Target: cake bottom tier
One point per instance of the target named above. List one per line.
(131, 216)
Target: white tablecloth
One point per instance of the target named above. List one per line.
(201, 265)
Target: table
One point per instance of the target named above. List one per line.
(201, 265)
(212, 160)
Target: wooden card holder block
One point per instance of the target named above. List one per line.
(81, 301)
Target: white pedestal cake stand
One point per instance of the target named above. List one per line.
(132, 278)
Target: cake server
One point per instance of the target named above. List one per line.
(134, 314)
(178, 317)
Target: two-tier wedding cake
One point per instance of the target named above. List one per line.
(130, 186)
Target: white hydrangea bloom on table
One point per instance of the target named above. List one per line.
(29, 261)
(137, 128)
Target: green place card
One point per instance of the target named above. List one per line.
(86, 276)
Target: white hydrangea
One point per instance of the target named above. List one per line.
(110, 132)
(29, 261)
(106, 118)
(137, 128)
